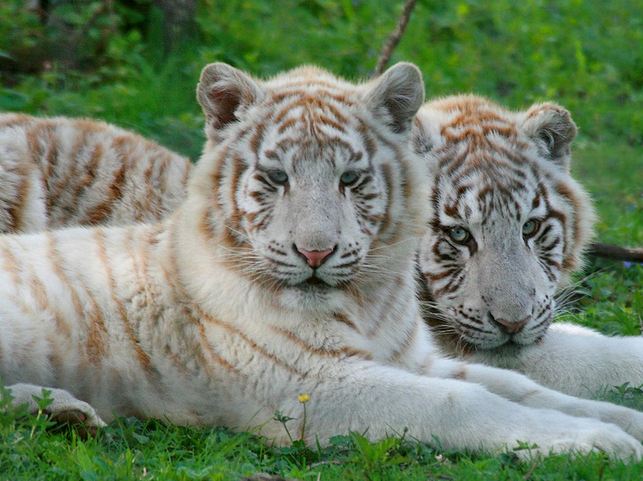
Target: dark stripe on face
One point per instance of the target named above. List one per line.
(442, 256)
(450, 287)
(238, 168)
(552, 245)
(367, 140)
(434, 277)
(388, 179)
(257, 138)
(563, 190)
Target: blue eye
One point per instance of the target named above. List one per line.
(279, 177)
(530, 227)
(349, 177)
(460, 235)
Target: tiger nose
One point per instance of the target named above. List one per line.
(315, 258)
(510, 327)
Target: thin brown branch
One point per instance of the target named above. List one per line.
(618, 253)
(394, 38)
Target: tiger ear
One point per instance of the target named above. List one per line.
(224, 92)
(552, 128)
(396, 96)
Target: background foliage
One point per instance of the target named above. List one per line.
(136, 63)
(111, 58)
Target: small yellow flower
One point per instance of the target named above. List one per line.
(303, 398)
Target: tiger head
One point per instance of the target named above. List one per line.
(508, 223)
(305, 174)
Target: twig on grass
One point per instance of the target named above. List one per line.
(618, 253)
(394, 38)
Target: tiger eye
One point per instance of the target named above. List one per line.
(349, 177)
(459, 235)
(530, 227)
(279, 177)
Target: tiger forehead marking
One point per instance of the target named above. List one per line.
(508, 222)
(306, 181)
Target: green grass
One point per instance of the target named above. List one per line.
(586, 55)
(134, 449)
(613, 293)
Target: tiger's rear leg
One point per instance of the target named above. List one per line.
(63, 409)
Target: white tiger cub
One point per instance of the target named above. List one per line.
(288, 269)
(509, 226)
(57, 172)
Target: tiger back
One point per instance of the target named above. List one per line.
(59, 172)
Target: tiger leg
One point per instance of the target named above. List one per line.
(63, 408)
(380, 400)
(573, 359)
(522, 390)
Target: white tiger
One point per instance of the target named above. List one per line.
(288, 269)
(509, 226)
(57, 172)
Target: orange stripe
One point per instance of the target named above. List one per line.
(71, 165)
(41, 298)
(407, 343)
(104, 209)
(142, 356)
(344, 319)
(10, 263)
(56, 262)
(197, 350)
(214, 354)
(16, 211)
(251, 343)
(346, 351)
(97, 332)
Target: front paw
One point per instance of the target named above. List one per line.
(63, 408)
(582, 436)
(630, 420)
(68, 410)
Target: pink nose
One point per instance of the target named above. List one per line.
(315, 258)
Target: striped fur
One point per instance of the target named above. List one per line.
(492, 297)
(57, 172)
(214, 316)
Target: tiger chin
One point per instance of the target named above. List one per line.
(508, 226)
(307, 187)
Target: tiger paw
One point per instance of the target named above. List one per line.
(629, 420)
(64, 407)
(584, 435)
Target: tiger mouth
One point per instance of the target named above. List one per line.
(314, 282)
(512, 341)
